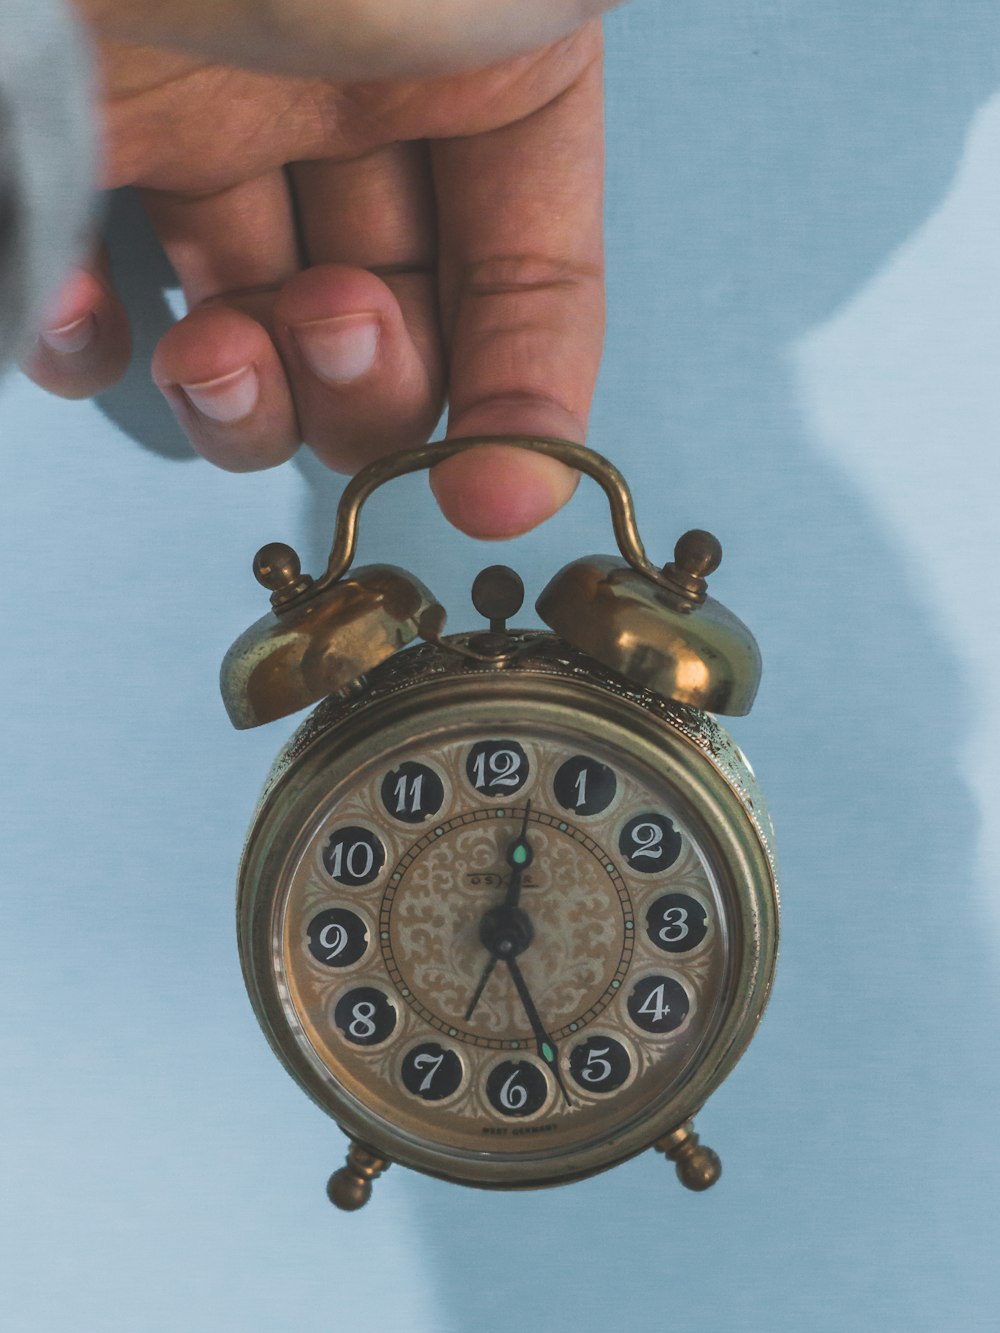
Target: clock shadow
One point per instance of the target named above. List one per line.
(762, 169)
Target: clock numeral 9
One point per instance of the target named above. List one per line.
(497, 768)
(354, 856)
(650, 843)
(517, 1088)
(337, 937)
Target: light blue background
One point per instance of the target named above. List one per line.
(804, 247)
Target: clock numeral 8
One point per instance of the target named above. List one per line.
(366, 1016)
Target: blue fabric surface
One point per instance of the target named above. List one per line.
(804, 274)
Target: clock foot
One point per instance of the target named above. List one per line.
(350, 1188)
(698, 1167)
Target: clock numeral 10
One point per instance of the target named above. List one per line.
(354, 856)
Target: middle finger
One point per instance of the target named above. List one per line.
(359, 329)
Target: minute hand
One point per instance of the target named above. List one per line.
(547, 1048)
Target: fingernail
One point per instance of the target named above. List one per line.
(72, 337)
(229, 398)
(339, 350)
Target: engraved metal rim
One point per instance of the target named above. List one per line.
(740, 861)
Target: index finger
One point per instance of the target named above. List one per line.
(522, 298)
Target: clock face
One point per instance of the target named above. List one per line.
(503, 940)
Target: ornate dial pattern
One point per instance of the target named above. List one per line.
(497, 936)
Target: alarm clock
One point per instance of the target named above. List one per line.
(508, 908)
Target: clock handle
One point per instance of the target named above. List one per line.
(577, 456)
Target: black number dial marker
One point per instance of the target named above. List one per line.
(366, 1016)
(337, 937)
(412, 792)
(676, 923)
(517, 1088)
(431, 1072)
(650, 843)
(354, 856)
(600, 1064)
(497, 768)
(658, 1004)
(583, 786)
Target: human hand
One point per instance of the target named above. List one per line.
(352, 254)
(348, 41)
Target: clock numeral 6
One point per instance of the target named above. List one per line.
(517, 1088)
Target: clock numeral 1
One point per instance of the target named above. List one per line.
(583, 786)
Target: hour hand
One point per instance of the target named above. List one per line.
(477, 993)
(519, 857)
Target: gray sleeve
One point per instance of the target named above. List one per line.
(47, 159)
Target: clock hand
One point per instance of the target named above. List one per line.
(477, 993)
(505, 929)
(547, 1048)
(519, 857)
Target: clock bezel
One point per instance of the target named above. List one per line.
(412, 694)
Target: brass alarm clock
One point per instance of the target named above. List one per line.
(507, 909)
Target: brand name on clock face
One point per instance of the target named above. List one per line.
(496, 1130)
(490, 880)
